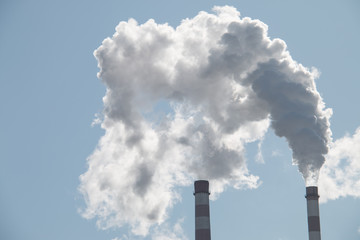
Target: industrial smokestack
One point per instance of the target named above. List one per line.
(202, 210)
(313, 212)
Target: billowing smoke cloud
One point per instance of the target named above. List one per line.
(340, 175)
(223, 82)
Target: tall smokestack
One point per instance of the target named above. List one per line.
(202, 210)
(313, 212)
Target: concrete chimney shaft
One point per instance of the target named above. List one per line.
(313, 212)
(202, 210)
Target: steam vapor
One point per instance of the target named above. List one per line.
(224, 83)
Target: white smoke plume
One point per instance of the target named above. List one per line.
(224, 82)
(340, 175)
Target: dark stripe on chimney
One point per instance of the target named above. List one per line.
(202, 234)
(314, 223)
(202, 210)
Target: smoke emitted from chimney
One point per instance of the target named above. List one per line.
(297, 113)
(225, 82)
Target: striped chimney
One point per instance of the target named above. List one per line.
(313, 212)
(202, 210)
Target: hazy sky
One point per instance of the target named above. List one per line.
(50, 96)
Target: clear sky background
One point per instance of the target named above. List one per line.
(49, 94)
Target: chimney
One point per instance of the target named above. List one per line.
(312, 198)
(202, 210)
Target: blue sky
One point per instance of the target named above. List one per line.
(50, 94)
